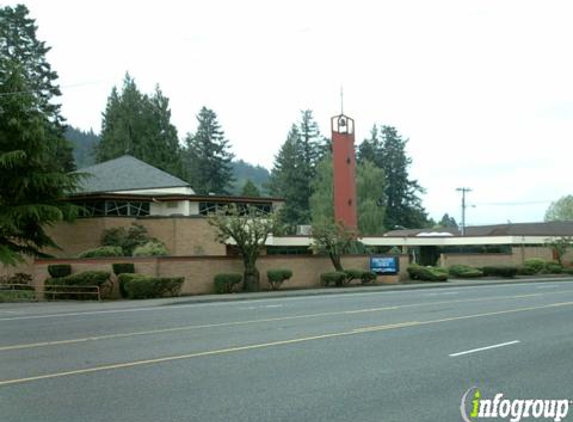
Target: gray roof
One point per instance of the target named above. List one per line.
(554, 228)
(126, 173)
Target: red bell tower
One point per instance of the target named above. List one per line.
(344, 171)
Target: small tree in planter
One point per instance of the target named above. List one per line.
(277, 277)
(249, 228)
(333, 240)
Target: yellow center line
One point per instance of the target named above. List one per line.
(356, 331)
(256, 321)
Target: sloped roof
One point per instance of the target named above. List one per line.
(126, 173)
(554, 228)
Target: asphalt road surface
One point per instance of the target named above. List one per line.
(378, 356)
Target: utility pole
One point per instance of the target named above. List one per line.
(464, 206)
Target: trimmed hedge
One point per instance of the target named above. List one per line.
(139, 286)
(505, 271)
(554, 268)
(336, 278)
(277, 277)
(225, 283)
(537, 264)
(102, 252)
(526, 271)
(368, 276)
(123, 268)
(364, 276)
(417, 272)
(59, 270)
(125, 278)
(464, 271)
(153, 248)
(83, 279)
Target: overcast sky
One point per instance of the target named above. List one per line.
(483, 89)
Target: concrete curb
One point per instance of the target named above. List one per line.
(239, 297)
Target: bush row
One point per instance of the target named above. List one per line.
(151, 248)
(81, 281)
(417, 272)
(140, 286)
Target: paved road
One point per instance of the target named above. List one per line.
(377, 356)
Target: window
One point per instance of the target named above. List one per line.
(206, 208)
(99, 208)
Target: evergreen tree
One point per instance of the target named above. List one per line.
(84, 145)
(369, 149)
(20, 47)
(447, 221)
(243, 171)
(250, 189)
(289, 182)
(207, 156)
(403, 205)
(33, 181)
(295, 168)
(139, 125)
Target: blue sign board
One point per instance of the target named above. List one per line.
(388, 265)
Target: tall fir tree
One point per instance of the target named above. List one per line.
(33, 181)
(207, 156)
(403, 204)
(19, 45)
(295, 168)
(139, 125)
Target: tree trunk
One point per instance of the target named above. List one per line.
(251, 276)
(335, 258)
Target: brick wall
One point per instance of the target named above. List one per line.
(182, 236)
(200, 271)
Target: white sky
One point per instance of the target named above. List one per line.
(483, 89)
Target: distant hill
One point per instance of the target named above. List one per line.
(244, 171)
(84, 146)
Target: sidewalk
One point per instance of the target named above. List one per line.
(325, 291)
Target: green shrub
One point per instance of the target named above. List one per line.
(554, 268)
(17, 288)
(568, 270)
(464, 271)
(80, 280)
(102, 252)
(125, 278)
(277, 277)
(537, 264)
(225, 283)
(526, 270)
(138, 286)
(59, 270)
(153, 248)
(336, 278)
(126, 239)
(123, 268)
(506, 271)
(353, 274)
(417, 272)
(17, 296)
(368, 276)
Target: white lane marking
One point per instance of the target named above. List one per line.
(481, 349)
(245, 302)
(442, 294)
(549, 286)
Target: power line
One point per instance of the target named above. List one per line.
(513, 203)
(79, 84)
